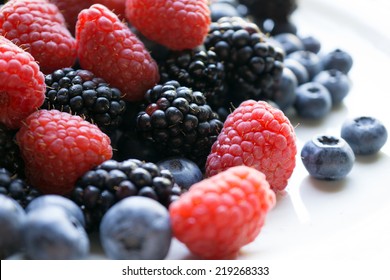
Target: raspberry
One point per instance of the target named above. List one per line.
(39, 28)
(109, 49)
(58, 148)
(178, 25)
(22, 85)
(116, 6)
(220, 214)
(257, 135)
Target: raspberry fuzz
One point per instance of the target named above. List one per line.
(58, 148)
(220, 214)
(257, 135)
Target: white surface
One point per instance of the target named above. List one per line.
(347, 219)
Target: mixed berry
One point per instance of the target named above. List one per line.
(150, 120)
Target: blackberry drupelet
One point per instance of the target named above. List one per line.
(199, 70)
(178, 121)
(252, 62)
(100, 188)
(16, 188)
(80, 92)
(10, 158)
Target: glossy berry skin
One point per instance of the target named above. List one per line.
(136, 228)
(184, 171)
(65, 203)
(257, 135)
(58, 148)
(50, 233)
(38, 27)
(12, 219)
(22, 84)
(284, 90)
(298, 69)
(110, 50)
(313, 101)
(327, 157)
(311, 43)
(337, 59)
(220, 9)
(366, 135)
(220, 214)
(337, 83)
(178, 25)
(290, 42)
(311, 61)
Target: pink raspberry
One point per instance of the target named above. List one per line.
(258, 135)
(220, 214)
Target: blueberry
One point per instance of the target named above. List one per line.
(298, 69)
(57, 200)
(12, 219)
(136, 227)
(311, 61)
(337, 59)
(222, 9)
(337, 83)
(284, 90)
(290, 42)
(327, 157)
(313, 101)
(365, 135)
(52, 234)
(185, 172)
(311, 43)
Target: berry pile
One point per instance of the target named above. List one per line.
(150, 120)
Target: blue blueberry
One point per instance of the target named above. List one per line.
(298, 69)
(312, 101)
(57, 200)
(222, 9)
(337, 59)
(311, 61)
(311, 43)
(12, 219)
(283, 91)
(327, 157)
(290, 42)
(366, 135)
(52, 234)
(136, 228)
(337, 83)
(184, 171)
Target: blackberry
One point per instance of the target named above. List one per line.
(80, 92)
(252, 62)
(10, 158)
(16, 188)
(100, 188)
(178, 121)
(199, 70)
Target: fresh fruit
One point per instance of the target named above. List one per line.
(337, 83)
(178, 25)
(12, 219)
(290, 42)
(366, 135)
(277, 10)
(16, 188)
(312, 101)
(50, 233)
(10, 158)
(65, 203)
(311, 61)
(220, 9)
(136, 228)
(252, 63)
(257, 135)
(311, 43)
(110, 50)
(220, 214)
(327, 157)
(80, 92)
(178, 121)
(116, 6)
(337, 59)
(101, 187)
(184, 171)
(38, 27)
(58, 148)
(22, 85)
(298, 69)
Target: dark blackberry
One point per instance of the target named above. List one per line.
(10, 158)
(252, 62)
(16, 188)
(199, 70)
(277, 10)
(100, 188)
(179, 122)
(80, 92)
